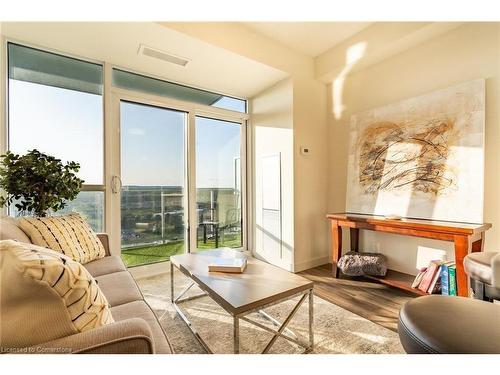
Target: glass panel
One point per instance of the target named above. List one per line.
(218, 182)
(132, 81)
(153, 192)
(232, 104)
(46, 68)
(63, 120)
(89, 204)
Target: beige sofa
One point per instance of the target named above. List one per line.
(136, 328)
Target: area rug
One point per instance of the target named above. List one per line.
(336, 330)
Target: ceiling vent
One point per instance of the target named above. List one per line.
(162, 55)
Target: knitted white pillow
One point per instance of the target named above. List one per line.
(67, 234)
(45, 296)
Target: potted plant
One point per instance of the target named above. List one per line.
(37, 183)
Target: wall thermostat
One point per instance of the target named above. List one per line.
(304, 150)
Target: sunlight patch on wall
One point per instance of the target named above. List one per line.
(427, 254)
(353, 55)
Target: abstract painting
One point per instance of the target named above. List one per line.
(421, 158)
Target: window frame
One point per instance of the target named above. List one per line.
(111, 97)
(243, 177)
(169, 81)
(115, 96)
(4, 132)
(117, 196)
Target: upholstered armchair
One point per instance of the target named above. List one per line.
(483, 269)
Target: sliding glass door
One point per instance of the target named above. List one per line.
(181, 186)
(177, 180)
(218, 183)
(153, 192)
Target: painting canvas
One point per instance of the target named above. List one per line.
(420, 158)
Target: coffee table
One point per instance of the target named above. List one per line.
(261, 285)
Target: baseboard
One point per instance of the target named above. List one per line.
(311, 263)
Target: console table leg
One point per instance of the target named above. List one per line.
(478, 245)
(336, 246)
(354, 234)
(462, 247)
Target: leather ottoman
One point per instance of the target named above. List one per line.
(445, 324)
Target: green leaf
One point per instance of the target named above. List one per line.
(37, 182)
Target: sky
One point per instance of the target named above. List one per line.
(152, 147)
(69, 125)
(66, 124)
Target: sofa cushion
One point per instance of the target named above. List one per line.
(140, 309)
(68, 234)
(45, 295)
(105, 265)
(10, 230)
(119, 288)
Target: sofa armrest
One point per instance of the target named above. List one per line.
(104, 238)
(131, 336)
(495, 268)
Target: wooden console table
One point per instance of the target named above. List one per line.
(466, 237)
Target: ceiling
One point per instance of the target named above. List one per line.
(308, 38)
(210, 67)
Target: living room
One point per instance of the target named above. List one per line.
(258, 185)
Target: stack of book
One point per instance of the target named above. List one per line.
(438, 278)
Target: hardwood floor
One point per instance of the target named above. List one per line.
(371, 300)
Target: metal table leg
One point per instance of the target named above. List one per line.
(236, 335)
(290, 336)
(171, 282)
(277, 323)
(311, 320)
(283, 326)
(176, 301)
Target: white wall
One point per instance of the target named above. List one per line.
(284, 118)
(310, 174)
(272, 132)
(468, 52)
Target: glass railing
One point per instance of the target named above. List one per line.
(152, 224)
(219, 218)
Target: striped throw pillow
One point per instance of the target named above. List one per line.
(67, 234)
(46, 296)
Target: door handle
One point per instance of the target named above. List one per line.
(116, 184)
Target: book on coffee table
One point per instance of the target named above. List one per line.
(231, 265)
